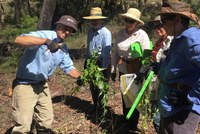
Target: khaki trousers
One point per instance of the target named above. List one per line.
(31, 101)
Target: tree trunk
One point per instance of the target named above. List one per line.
(141, 4)
(46, 15)
(17, 11)
(1, 16)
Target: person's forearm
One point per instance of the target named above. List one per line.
(74, 73)
(29, 41)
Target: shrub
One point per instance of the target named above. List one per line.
(9, 33)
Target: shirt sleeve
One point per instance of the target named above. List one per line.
(66, 65)
(194, 57)
(106, 50)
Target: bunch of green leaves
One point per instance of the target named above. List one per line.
(93, 75)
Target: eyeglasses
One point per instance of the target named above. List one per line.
(129, 21)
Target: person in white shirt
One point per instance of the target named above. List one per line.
(121, 56)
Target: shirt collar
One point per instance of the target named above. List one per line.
(133, 34)
(98, 28)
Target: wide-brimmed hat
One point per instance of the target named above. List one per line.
(178, 7)
(134, 14)
(68, 21)
(95, 13)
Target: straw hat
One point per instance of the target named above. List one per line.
(95, 13)
(134, 14)
(178, 7)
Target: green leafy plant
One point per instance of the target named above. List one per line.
(146, 101)
(93, 74)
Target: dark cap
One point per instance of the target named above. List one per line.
(68, 21)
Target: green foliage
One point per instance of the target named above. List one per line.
(10, 32)
(9, 64)
(93, 74)
(76, 41)
(146, 117)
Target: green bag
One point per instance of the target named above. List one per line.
(136, 50)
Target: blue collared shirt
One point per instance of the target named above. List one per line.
(38, 63)
(99, 40)
(182, 65)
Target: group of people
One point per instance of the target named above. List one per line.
(177, 54)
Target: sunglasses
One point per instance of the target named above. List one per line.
(129, 21)
(156, 25)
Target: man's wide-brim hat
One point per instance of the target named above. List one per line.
(134, 14)
(178, 7)
(95, 13)
(68, 21)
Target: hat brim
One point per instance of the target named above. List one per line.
(152, 22)
(95, 17)
(183, 14)
(127, 15)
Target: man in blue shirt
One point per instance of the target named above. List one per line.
(45, 50)
(99, 40)
(179, 90)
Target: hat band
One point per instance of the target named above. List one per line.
(96, 14)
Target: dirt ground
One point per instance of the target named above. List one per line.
(72, 107)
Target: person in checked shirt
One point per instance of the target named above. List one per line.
(121, 55)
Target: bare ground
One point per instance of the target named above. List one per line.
(72, 107)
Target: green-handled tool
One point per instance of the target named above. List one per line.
(146, 83)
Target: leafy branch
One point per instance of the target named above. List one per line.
(93, 74)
